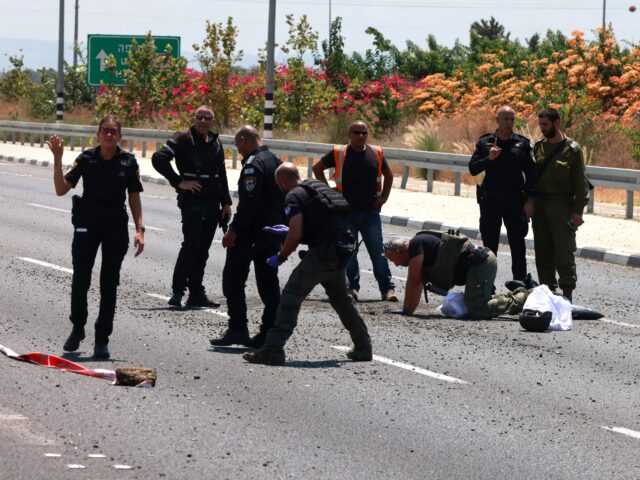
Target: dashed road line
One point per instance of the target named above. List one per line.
(64, 210)
(624, 431)
(148, 227)
(46, 264)
(412, 368)
(210, 310)
(370, 272)
(55, 209)
(622, 324)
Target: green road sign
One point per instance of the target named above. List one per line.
(99, 47)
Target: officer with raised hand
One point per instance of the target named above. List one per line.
(203, 199)
(508, 189)
(100, 219)
(261, 203)
(317, 216)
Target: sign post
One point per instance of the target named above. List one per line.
(99, 47)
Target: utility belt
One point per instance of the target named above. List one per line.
(554, 196)
(482, 194)
(80, 204)
(84, 212)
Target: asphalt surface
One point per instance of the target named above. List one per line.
(513, 404)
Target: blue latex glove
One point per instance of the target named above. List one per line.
(398, 311)
(275, 261)
(280, 230)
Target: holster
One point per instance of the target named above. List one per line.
(480, 193)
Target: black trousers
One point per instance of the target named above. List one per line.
(507, 209)
(114, 238)
(199, 221)
(236, 272)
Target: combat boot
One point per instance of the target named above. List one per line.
(73, 342)
(257, 341)
(176, 299)
(101, 350)
(567, 292)
(201, 300)
(232, 337)
(267, 355)
(360, 352)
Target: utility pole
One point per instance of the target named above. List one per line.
(329, 41)
(75, 39)
(60, 97)
(271, 45)
(604, 15)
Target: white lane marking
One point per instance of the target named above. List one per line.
(50, 208)
(624, 431)
(210, 310)
(411, 368)
(15, 174)
(156, 197)
(12, 416)
(148, 227)
(69, 211)
(23, 430)
(370, 272)
(45, 264)
(622, 324)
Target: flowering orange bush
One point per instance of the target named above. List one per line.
(599, 79)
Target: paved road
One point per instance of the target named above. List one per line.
(511, 405)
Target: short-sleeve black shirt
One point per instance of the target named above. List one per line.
(105, 182)
(429, 245)
(359, 177)
(317, 227)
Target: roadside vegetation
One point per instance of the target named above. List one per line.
(428, 97)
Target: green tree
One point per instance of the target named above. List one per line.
(297, 92)
(489, 30)
(149, 80)
(16, 84)
(217, 55)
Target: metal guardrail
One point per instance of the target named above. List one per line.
(616, 178)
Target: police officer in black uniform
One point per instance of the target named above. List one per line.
(317, 216)
(202, 190)
(99, 218)
(261, 203)
(508, 189)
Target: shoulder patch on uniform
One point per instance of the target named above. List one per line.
(574, 145)
(249, 183)
(249, 160)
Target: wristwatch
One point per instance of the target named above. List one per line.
(140, 228)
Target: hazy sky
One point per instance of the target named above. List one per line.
(398, 20)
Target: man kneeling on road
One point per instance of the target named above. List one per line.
(317, 216)
(447, 259)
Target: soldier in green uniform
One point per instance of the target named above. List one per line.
(563, 192)
(447, 259)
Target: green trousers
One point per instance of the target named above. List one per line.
(319, 266)
(555, 244)
(477, 292)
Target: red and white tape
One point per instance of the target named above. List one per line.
(52, 361)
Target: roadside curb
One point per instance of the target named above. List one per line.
(588, 253)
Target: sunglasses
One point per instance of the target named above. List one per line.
(360, 132)
(109, 130)
(204, 117)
